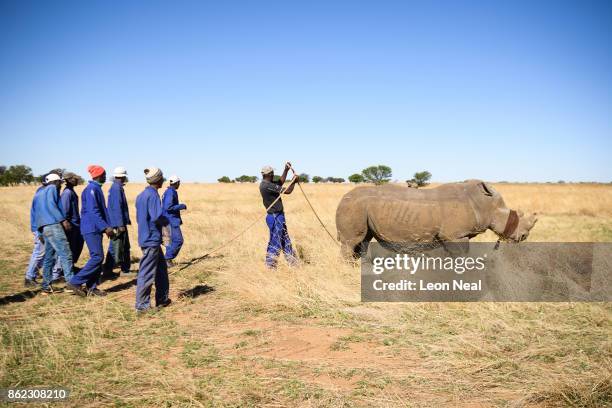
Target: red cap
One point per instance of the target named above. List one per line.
(95, 170)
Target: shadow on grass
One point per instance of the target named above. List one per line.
(18, 297)
(121, 286)
(196, 291)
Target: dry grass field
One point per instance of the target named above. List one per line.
(241, 335)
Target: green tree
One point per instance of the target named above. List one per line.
(18, 174)
(356, 178)
(224, 179)
(334, 180)
(304, 178)
(246, 179)
(421, 178)
(377, 174)
(317, 179)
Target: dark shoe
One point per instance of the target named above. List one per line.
(47, 291)
(74, 290)
(96, 292)
(164, 304)
(109, 276)
(171, 263)
(59, 280)
(30, 283)
(127, 273)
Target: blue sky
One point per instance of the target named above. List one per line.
(497, 90)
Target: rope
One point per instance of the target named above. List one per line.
(317, 215)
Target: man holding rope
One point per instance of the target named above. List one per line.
(270, 193)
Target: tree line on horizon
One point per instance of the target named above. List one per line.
(21, 174)
(380, 174)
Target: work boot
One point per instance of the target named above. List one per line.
(30, 283)
(164, 304)
(96, 292)
(75, 290)
(47, 290)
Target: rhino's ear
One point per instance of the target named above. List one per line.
(486, 189)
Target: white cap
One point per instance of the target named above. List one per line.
(174, 179)
(120, 172)
(52, 177)
(267, 170)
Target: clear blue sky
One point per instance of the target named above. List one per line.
(498, 90)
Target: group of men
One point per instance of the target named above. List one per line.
(60, 231)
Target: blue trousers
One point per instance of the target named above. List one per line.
(36, 260)
(279, 239)
(56, 245)
(176, 242)
(153, 268)
(75, 240)
(93, 268)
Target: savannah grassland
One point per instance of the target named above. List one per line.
(241, 335)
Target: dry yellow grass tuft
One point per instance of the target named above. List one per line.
(300, 336)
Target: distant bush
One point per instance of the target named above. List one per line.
(421, 178)
(377, 174)
(356, 178)
(246, 179)
(224, 179)
(317, 179)
(304, 178)
(14, 175)
(334, 180)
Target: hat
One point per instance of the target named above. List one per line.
(153, 175)
(120, 172)
(267, 170)
(174, 179)
(52, 177)
(70, 175)
(95, 170)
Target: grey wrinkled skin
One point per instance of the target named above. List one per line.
(394, 214)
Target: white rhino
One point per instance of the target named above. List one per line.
(450, 212)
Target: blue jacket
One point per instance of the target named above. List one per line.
(70, 205)
(33, 227)
(47, 207)
(172, 208)
(94, 216)
(118, 212)
(150, 218)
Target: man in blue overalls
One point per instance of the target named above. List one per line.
(172, 211)
(70, 205)
(119, 218)
(279, 237)
(153, 267)
(94, 223)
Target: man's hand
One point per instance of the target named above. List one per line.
(66, 225)
(121, 229)
(41, 238)
(109, 232)
(288, 166)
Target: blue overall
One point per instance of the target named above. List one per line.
(279, 239)
(70, 206)
(153, 267)
(172, 211)
(118, 216)
(94, 220)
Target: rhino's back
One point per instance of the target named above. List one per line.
(400, 214)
